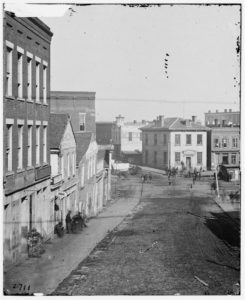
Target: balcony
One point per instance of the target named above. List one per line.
(42, 172)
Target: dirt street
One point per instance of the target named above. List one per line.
(177, 240)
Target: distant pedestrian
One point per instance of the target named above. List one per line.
(68, 222)
(142, 178)
(194, 178)
(150, 177)
(169, 179)
(145, 178)
(213, 186)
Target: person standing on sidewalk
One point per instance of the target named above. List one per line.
(68, 222)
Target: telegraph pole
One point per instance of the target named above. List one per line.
(216, 176)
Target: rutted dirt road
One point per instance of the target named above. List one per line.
(177, 240)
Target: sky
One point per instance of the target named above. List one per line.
(120, 53)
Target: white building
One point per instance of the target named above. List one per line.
(127, 139)
(63, 166)
(175, 142)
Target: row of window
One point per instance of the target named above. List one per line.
(217, 122)
(25, 64)
(199, 157)
(135, 135)
(29, 145)
(224, 142)
(188, 139)
(68, 165)
(227, 161)
(177, 139)
(156, 139)
(165, 157)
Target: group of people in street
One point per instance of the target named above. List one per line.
(196, 175)
(77, 222)
(73, 224)
(146, 178)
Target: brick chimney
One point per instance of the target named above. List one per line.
(194, 119)
(161, 121)
(230, 110)
(225, 110)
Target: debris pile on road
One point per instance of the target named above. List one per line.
(147, 249)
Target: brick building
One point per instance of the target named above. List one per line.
(63, 166)
(175, 142)
(224, 138)
(104, 133)
(225, 118)
(26, 109)
(127, 140)
(79, 105)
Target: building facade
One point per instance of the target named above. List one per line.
(81, 108)
(79, 105)
(87, 150)
(104, 133)
(63, 167)
(224, 138)
(222, 119)
(103, 175)
(26, 109)
(175, 142)
(127, 140)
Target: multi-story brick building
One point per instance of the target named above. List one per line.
(224, 138)
(63, 166)
(104, 133)
(175, 142)
(127, 140)
(26, 109)
(81, 108)
(225, 118)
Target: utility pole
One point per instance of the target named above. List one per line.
(216, 176)
(169, 152)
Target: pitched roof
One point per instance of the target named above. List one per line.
(167, 123)
(58, 123)
(180, 124)
(83, 140)
(175, 124)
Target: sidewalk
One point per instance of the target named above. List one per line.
(62, 255)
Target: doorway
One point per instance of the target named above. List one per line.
(188, 162)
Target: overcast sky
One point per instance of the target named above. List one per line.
(119, 52)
